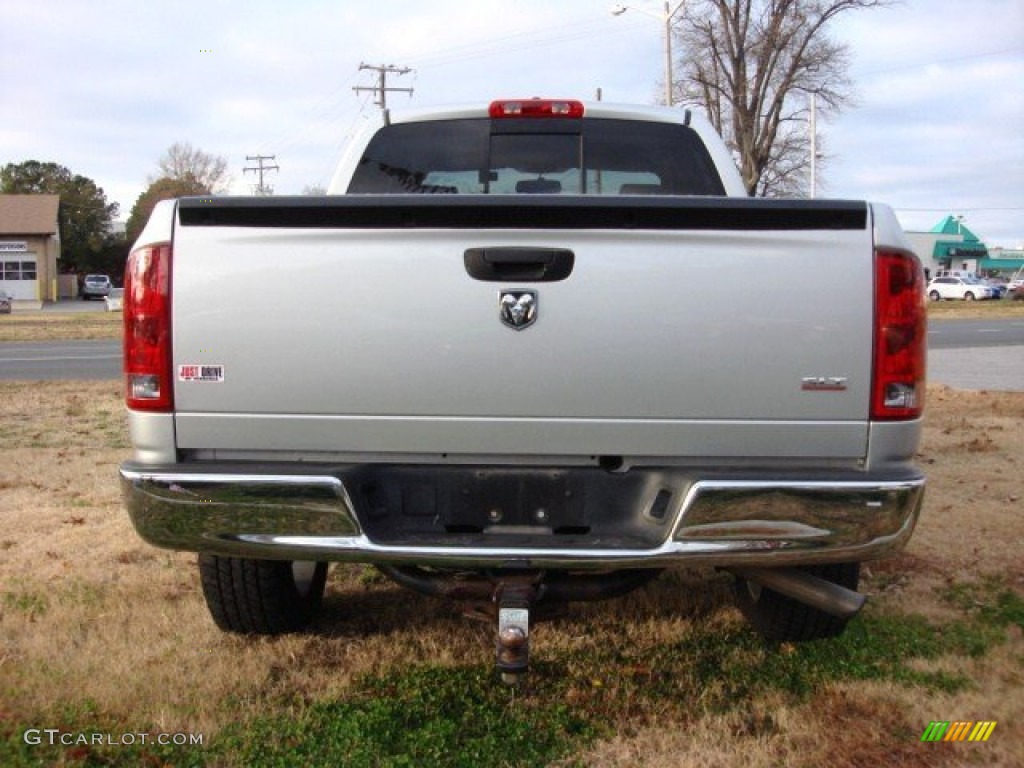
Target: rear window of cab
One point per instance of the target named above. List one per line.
(586, 156)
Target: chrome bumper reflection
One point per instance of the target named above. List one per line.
(718, 522)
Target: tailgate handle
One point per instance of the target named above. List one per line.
(515, 264)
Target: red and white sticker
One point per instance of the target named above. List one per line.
(214, 373)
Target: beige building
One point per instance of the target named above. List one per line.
(29, 247)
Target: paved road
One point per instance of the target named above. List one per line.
(977, 354)
(963, 334)
(53, 360)
(73, 306)
(966, 354)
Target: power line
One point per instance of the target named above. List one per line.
(937, 62)
(527, 39)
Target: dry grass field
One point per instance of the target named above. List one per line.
(59, 326)
(971, 310)
(102, 636)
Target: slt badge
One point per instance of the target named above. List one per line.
(518, 309)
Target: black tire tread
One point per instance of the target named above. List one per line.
(258, 597)
(782, 619)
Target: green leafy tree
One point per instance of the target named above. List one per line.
(84, 216)
(163, 188)
(753, 66)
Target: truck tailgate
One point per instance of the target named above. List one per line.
(686, 328)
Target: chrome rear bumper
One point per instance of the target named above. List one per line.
(667, 517)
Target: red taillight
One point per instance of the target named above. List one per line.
(536, 108)
(147, 329)
(900, 337)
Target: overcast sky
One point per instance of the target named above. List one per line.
(104, 87)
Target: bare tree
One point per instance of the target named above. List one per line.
(753, 66)
(183, 162)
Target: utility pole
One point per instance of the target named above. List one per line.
(261, 189)
(665, 17)
(381, 88)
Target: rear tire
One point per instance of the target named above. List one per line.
(968, 296)
(782, 619)
(262, 597)
(934, 296)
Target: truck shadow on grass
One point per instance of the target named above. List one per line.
(362, 601)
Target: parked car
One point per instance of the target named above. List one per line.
(5, 303)
(958, 288)
(956, 273)
(96, 286)
(1016, 280)
(998, 286)
(1016, 294)
(115, 299)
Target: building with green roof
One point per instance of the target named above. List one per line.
(961, 247)
(951, 245)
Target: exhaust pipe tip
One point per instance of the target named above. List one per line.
(804, 587)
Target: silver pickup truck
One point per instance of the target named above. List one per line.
(524, 354)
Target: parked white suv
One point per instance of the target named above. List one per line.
(965, 288)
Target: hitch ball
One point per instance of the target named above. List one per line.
(512, 646)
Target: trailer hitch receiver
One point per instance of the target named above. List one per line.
(514, 601)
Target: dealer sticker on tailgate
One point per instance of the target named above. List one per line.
(201, 373)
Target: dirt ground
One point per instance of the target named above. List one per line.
(94, 620)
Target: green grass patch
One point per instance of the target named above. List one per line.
(79, 734)
(95, 745)
(25, 601)
(989, 601)
(428, 715)
(425, 716)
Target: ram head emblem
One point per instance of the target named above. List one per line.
(518, 309)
